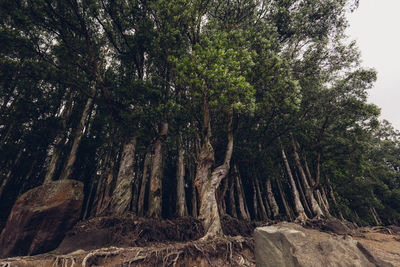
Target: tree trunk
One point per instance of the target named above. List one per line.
(316, 209)
(180, 180)
(324, 205)
(88, 202)
(375, 216)
(121, 197)
(301, 216)
(103, 195)
(8, 176)
(243, 211)
(140, 206)
(194, 195)
(232, 203)
(68, 168)
(324, 197)
(332, 195)
(263, 210)
(59, 140)
(155, 190)
(207, 184)
(135, 187)
(307, 169)
(302, 195)
(271, 199)
(256, 215)
(221, 197)
(288, 210)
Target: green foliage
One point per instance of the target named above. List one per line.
(275, 67)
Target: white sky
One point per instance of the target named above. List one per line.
(375, 25)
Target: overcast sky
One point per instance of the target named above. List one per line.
(375, 25)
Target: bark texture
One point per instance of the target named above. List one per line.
(271, 199)
(68, 168)
(301, 215)
(316, 209)
(180, 180)
(232, 202)
(155, 191)
(288, 210)
(207, 183)
(121, 197)
(59, 140)
(140, 209)
(243, 211)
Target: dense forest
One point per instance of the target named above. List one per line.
(256, 109)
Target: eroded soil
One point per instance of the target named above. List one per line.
(133, 241)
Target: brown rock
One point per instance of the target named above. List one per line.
(40, 218)
(336, 226)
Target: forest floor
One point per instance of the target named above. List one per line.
(133, 241)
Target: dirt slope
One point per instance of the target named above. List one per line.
(139, 242)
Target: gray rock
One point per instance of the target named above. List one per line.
(290, 245)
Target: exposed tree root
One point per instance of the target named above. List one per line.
(301, 219)
(222, 251)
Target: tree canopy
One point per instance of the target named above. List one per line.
(252, 108)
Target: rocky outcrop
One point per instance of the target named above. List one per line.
(40, 218)
(288, 244)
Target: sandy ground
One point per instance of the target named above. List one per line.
(381, 242)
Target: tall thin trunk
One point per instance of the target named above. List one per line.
(318, 172)
(221, 193)
(302, 195)
(8, 176)
(243, 211)
(333, 198)
(288, 210)
(121, 197)
(195, 213)
(232, 203)
(271, 199)
(307, 169)
(256, 215)
(267, 208)
(324, 205)
(68, 168)
(301, 216)
(324, 197)
(180, 180)
(263, 210)
(102, 198)
(135, 187)
(88, 202)
(108, 191)
(375, 216)
(140, 206)
(316, 209)
(155, 190)
(59, 140)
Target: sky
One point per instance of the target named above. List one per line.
(375, 26)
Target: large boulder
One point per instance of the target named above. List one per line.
(40, 218)
(290, 245)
